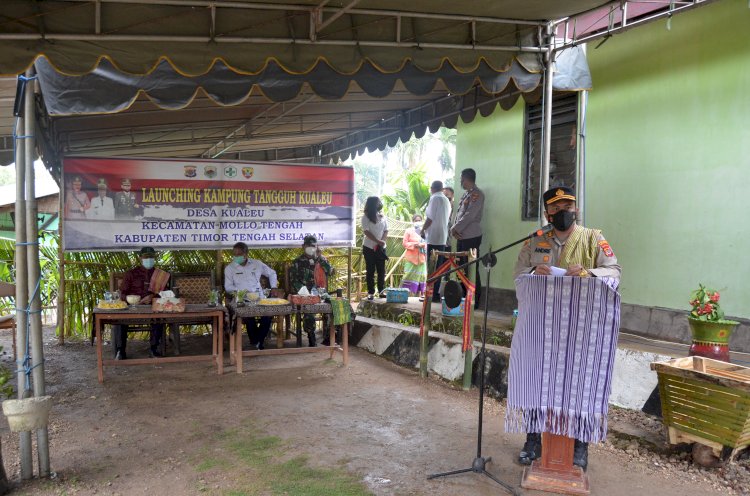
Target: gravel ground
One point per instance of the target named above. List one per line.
(651, 449)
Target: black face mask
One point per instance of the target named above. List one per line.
(563, 219)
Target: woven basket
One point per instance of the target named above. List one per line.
(705, 401)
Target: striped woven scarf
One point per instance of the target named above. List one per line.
(562, 356)
(159, 280)
(580, 248)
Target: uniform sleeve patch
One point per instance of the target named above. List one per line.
(474, 197)
(606, 248)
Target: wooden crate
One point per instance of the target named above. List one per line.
(705, 401)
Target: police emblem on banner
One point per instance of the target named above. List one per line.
(248, 172)
(230, 171)
(209, 171)
(190, 171)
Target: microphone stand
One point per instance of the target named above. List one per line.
(479, 463)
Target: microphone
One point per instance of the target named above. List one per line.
(542, 231)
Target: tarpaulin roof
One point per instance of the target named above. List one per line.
(193, 35)
(309, 80)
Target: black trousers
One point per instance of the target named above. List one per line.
(257, 329)
(371, 265)
(440, 260)
(121, 336)
(465, 245)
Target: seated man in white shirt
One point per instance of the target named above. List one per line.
(245, 273)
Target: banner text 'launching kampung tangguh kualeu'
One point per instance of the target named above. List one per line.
(127, 203)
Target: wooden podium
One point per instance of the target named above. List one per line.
(554, 472)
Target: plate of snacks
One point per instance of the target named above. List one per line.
(273, 301)
(112, 305)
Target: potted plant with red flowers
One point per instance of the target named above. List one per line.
(711, 332)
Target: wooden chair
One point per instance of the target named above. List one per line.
(194, 288)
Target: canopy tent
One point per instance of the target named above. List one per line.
(310, 81)
(418, 54)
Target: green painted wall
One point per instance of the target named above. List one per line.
(667, 159)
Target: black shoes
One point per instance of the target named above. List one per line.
(120, 355)
(581, 454)
(532, 449)
(370, 297)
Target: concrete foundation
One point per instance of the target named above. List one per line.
(632, 385)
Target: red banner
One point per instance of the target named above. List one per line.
(126, 203)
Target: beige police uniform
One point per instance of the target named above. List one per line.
(469, 215)
(546, 250)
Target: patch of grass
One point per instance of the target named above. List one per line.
(256, 451)
(295, 477)
(208, 464)
(257, 465)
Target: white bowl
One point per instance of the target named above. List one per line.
(132, 299)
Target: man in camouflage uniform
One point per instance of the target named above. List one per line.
(126, 206)
(311, 269)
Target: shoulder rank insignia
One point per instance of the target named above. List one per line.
(606, 248)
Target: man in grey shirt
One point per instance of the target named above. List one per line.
(467, 228)
(435, 229)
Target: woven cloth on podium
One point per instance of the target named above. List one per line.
(562, 355)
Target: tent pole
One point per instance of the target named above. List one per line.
(581, 151)
(549, 60)
(349, 275)
(32, 255)
(22, 295)
(61, 285)
(218, 279)
(424, 340)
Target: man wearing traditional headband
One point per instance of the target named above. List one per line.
(582, 252)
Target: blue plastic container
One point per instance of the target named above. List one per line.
(396, 295)
(454, 312)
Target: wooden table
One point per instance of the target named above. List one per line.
(143, 314)
(235, 345)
